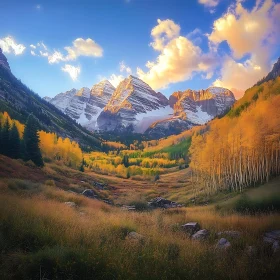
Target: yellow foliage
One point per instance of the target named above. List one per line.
(60, 149)
(243, 150)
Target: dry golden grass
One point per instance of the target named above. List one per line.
(43, 222)
(89, 241)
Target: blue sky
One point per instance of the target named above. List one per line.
(190, 44)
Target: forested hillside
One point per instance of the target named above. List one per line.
(19, 101)
(243, 148)
(52, 147)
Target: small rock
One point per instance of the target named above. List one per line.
(191, 228)
(230, 233)
(71, 204)
(135, 236)
(275, 235)
(201, 234)
(223, 244)
(81, 213)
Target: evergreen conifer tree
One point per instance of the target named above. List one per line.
(82, 169)
(1, 145)
(14, 143)
(5, 138)
(31, 142)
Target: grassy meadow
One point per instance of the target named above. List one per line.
(43, 238)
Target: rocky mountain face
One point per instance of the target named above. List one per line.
(135, 107)
(4, 61)
(201, 106)
(86, 104)
(193, 108)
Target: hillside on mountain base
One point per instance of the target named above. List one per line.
(19, 101)
(242, 149)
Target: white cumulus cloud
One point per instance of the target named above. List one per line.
(115, 79)
(54, 57)
(9, 45)
(178, 60)
(209, 3)
(80, 47)
(72, 71)
(251, 34)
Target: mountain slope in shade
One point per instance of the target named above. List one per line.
(19, 101)
(85, 105)
(62, 100)
(273, 74)
(4, 61)
(133, 106)
(193, 108)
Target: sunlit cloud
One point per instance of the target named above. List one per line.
(115, 79)
(178, 60)
(248, 33)
(9, 45)
(80, 47)
(73, 71)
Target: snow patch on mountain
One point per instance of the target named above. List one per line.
(144, 120)
(199, 116)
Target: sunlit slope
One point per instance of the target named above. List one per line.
(241, 149)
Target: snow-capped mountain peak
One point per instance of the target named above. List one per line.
(134, 106)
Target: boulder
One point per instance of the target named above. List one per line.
(230, 233)
(268, 240)
(273, 239)
(275, 235)
(89, 193)
(160, 202)
(99, 185)
(223, 244)
(201, 234)
(191, 228)
(71, 204)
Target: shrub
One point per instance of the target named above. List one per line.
(139, 205)
(61, 263)
(246, 204)
(22, 185)
(50, 183)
